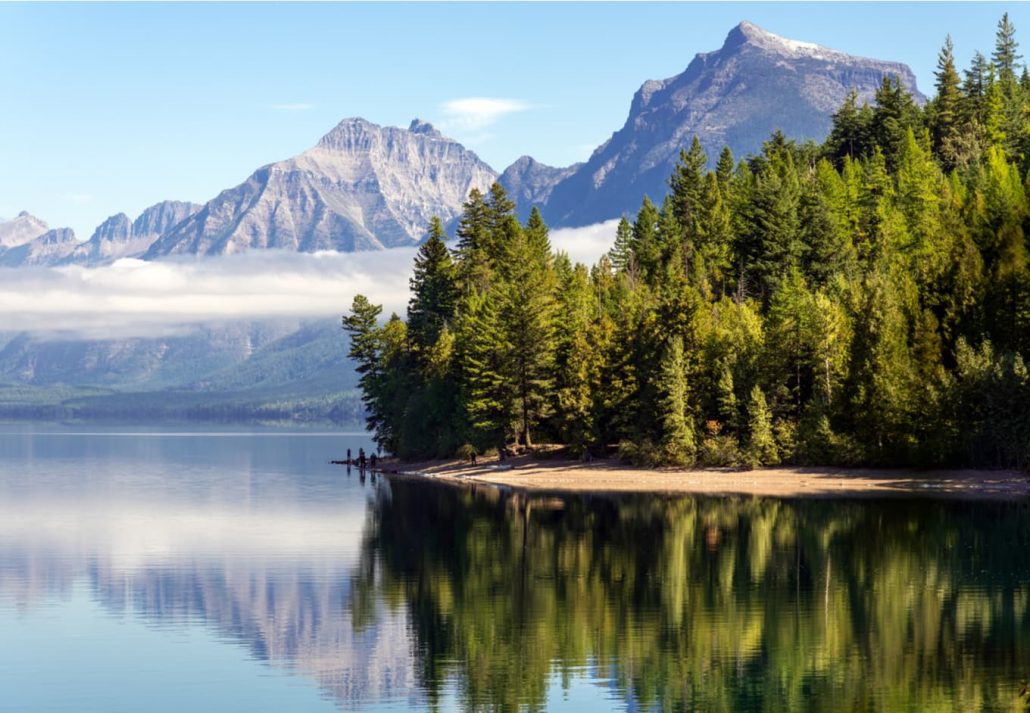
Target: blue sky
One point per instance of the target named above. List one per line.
(113, 107)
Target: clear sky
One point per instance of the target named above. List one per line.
(113, 107)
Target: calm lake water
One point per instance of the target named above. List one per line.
(166, 570)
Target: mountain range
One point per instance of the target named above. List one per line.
(370, 187)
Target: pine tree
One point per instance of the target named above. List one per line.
(974, 89)
(367, 350)
(761, 446)
(687, 185)
(672, 244)
(474, 264)
(828, 249)
(851, 132)
(917, 189)
(787, 325)
(677, 433)
(579, 357)
(433, 290)
(646, 247)
(538, 237)
(499, 208)
(622, 251)
(527, 317)
(1006, 51)
(894, 115)
(483, 356)
(947, 106)
(724, 171)
(881, 377)
(773, 234)
(715, 239)
(876, 234)
(726, 398)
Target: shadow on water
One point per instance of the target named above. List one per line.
(680, 603)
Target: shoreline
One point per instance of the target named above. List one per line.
(549, 475)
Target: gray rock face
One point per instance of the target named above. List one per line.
(361, 187)
(117, 238)
(737, 96)
(161, 217)
(23, 229)
(530, 183)
(50, 248)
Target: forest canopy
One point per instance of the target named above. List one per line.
(863, 301)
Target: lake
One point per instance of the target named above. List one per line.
(170, 570)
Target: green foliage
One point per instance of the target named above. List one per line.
(865, 301)
(761, 446)
(677, 441)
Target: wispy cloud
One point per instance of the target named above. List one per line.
(298, 106)
(475, 113)
(135, 298)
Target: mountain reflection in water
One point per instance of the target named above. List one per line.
(415, 594)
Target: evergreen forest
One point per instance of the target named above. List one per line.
(862, 301)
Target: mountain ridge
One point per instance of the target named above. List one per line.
(362, 186)
(735, 96)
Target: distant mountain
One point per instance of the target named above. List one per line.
(736, 96)
(27, 241)
(530, 182)
(245, 371)
(116, 237)
(362, 187)
(50, 248)
(23, 229)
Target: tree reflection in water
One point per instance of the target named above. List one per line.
(704, 603)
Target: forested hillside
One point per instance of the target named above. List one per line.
(862, 301)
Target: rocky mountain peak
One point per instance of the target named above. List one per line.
(418, 126)
(362, 187)
(21, 230)
(353, 132)
(162, 217)
(117, 228)
(736, 96)
(749, 34)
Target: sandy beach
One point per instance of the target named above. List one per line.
(609, 476)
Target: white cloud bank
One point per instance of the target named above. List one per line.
(134, 298)
(586, 244)
(138, 298)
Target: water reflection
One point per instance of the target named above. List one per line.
(258, 548)
(408, 594)
(705, 604)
